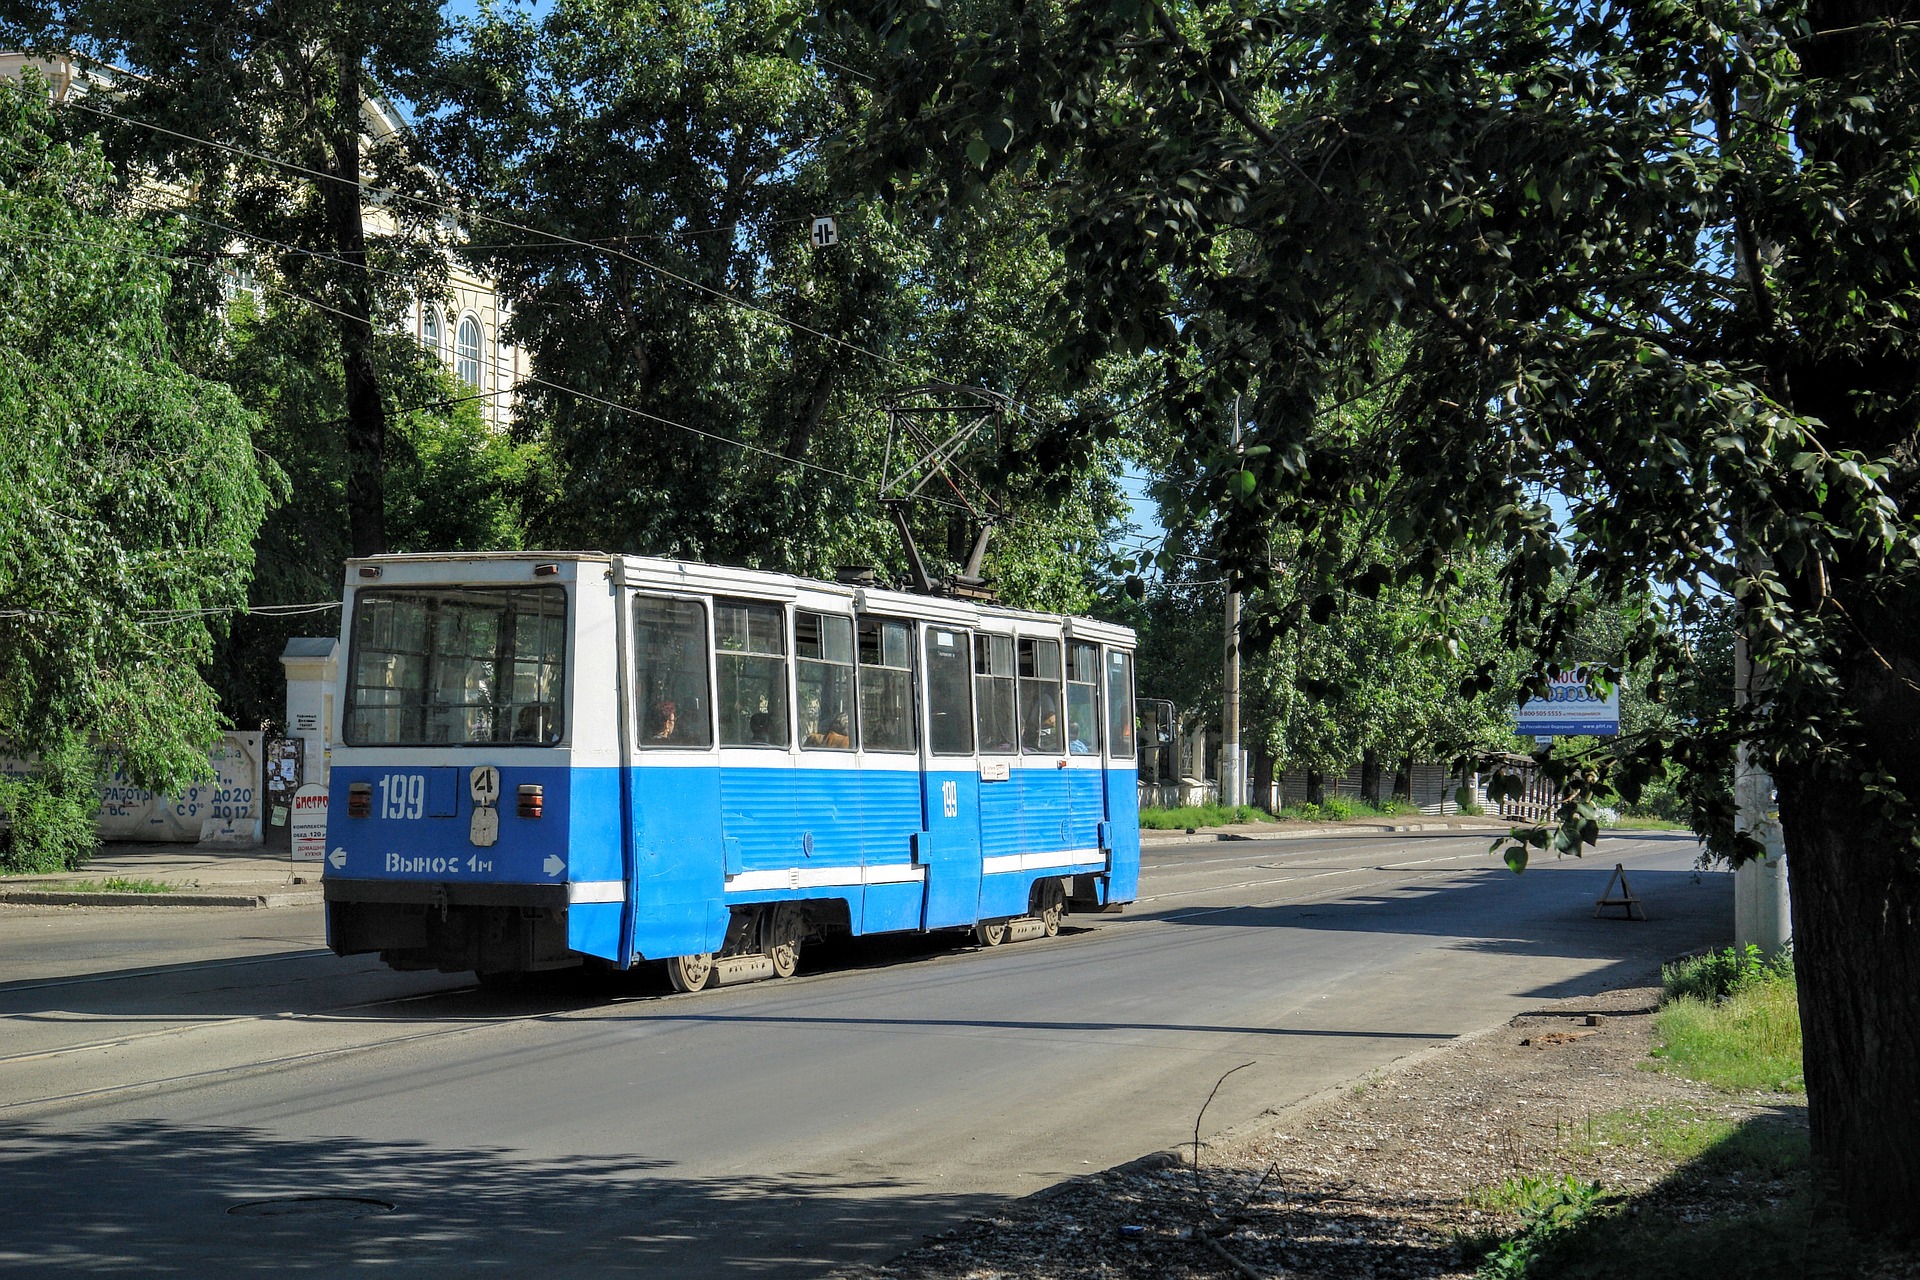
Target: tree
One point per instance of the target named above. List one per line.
(129, 495)
(255, 115)
(453, 481)
(1652, 259)
(709, 385)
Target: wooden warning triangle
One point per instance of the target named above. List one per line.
(1624, 898)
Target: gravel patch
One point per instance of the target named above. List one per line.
(1388, 1178)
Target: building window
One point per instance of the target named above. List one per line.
(430, 330)
(466, 353)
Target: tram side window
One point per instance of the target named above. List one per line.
(886, 685)
(1120, 704)
(823, 673)
(993, 691)
(949, 693)
(1083, 699)
(1040, 696)
(449, 665)
(751, 645)
(670, 672)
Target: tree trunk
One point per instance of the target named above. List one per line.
(1316, 787)
(366, 414)
(1370, 777)
(1856, 939)
(1403, 779)
(1262, 793)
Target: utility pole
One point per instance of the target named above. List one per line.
(1761, 909)
(1232, 785)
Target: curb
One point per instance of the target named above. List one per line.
(57, 898)
(1307, 833)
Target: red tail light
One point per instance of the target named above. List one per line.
(532, 798)
(360, 800)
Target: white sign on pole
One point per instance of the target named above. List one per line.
(309, 824)
(826, 233)
(1571, 707)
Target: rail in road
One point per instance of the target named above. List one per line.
(776, 1128)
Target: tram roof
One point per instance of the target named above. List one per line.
(692, 576)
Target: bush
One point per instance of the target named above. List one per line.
(1719, 974)
(50, 814)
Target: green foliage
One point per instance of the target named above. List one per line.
(49, 813)
(1188, 817)
(129, 492)
(1749, 1039)
(687, 134)
(1626, 281)
(1722, 973)
(286, 89)
(1553, 1212)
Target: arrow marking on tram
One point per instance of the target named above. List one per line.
(553, 866)
(338, 858)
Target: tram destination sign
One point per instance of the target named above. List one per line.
(1572, 706)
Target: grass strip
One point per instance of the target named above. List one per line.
(1189, 817)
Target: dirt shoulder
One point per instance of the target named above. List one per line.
(1399, 1175)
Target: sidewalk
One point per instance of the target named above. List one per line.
(1286, 829)
(195, 877)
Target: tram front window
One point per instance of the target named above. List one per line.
(446, 666)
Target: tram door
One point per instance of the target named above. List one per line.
(1086, 781)
(950, 845)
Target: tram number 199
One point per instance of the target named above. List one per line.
(950, 798)
(403, 795)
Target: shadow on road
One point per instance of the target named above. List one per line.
(154, 1199)
(1549, 912)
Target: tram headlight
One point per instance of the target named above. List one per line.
(360, 800)
(532, 798)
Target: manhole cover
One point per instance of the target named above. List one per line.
(312, 1207)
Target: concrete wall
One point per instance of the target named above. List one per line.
(225, 811)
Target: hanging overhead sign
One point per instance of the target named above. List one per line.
(826, 233)
(1572, 706)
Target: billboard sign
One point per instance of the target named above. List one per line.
(1570, 707)
(310, 823)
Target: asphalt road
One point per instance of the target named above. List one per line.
(209, 1092)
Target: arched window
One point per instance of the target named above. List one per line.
(466, 353)
(430, 330)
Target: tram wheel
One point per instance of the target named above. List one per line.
(785, 956)
(690, 973)
(1053, 905)
(990, 933)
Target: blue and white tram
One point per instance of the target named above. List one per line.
(545, 759)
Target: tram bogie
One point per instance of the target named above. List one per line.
(545, 760)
